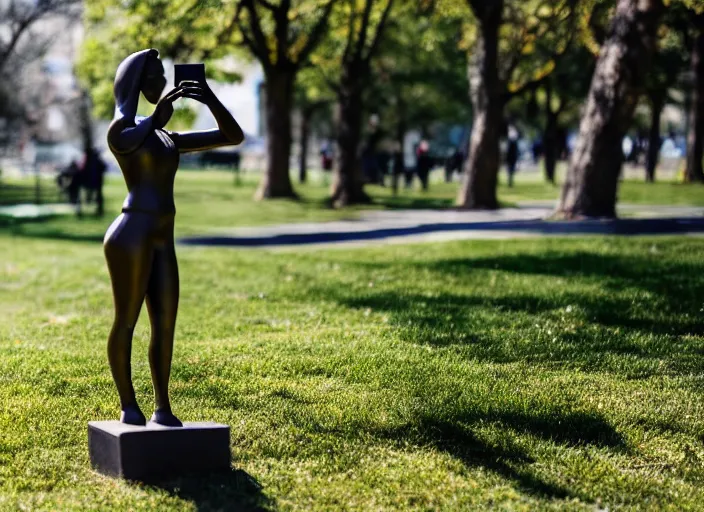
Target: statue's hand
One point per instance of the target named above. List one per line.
(198, 91)
(165, 108)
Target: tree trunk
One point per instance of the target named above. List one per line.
(592, 179)
(478, 189)
(398, 166)
(654, 142)
(306, 115)
(279, 100)
(348, 185)
(87, 133)
(550, 147)
(695, 137)
(550, 136)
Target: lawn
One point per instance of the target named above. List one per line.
(528, 374)
(208, 201)
(525, 374)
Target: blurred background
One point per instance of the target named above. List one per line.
(380, 91)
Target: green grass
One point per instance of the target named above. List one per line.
(526, 374)
(532, 374)
(209, 201)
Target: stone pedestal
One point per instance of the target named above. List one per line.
(153, 452)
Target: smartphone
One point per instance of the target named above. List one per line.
(194, 72)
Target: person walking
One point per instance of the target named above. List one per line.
(512, 153)
(423, 163)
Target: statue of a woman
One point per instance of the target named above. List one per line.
(139, 245)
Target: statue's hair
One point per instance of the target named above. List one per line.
(128, 79)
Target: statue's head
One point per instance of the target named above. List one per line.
(140, 72)
(153, 79)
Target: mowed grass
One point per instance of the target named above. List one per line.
(527, 374)
(559, 374)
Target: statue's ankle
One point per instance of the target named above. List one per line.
(132, 415)
(164, 416)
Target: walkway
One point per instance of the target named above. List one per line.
(403, 226)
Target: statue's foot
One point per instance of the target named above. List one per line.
(132, 416)
(166, 418)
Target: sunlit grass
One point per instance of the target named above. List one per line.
(533, 374)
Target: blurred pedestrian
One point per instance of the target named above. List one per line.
(398, 167)
(370, 160)
(326, 156)
(70, 181)
(453, 164)
(94, 168)
(424, 163)
(537, 149)
(512, 153)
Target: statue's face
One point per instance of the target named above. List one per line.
(153, 80)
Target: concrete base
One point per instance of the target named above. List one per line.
(152, 452)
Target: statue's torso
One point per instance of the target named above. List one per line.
(149, 173)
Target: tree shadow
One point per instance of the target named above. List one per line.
(503, 455)
(234, 490)
(453, 320)
(671, 308)
(676, 286)
(635, 271)
(87, 228)
(53, 233)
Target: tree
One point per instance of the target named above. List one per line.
(481, 168)
(22, 42)
(562, 91)
(624, 59)
(695, 137)
(507, 32)
(279, 35)
(281, 53)
(359, 27)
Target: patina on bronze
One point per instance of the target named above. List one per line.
(139, 245)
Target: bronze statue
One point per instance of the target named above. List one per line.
(139, 245)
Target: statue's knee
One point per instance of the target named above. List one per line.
(123, 327)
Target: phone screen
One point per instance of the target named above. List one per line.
(195, 72)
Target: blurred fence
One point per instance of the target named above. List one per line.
(29, 185)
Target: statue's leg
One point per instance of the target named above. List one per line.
(162, 304)
(128, 250)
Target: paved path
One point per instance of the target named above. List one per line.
(403, 226)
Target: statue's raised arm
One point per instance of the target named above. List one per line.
(228, 132)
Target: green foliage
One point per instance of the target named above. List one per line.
(182, 30)
(96, 69)
(534, 36)
(355, 32)
(420, 76)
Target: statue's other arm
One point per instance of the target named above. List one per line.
(228, 132)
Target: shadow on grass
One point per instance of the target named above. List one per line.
(506, 459)
(52, 233)
(67, 228)
(676, 288)
(505, 326)
(503, 455)
(234, 490)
